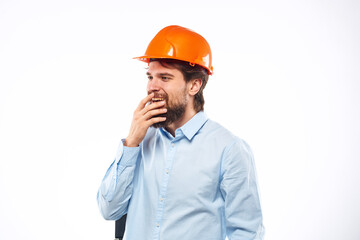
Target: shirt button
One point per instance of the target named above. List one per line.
(158, 225)
(161, 199)
(167, 171)
(173, 145)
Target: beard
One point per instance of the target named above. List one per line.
(175, 109)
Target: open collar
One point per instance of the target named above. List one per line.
(191, 127)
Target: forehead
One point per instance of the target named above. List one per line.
(158, 68)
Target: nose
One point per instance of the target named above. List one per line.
(153, 85)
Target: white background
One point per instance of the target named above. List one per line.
(286, 80)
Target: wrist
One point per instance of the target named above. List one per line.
(130, 143)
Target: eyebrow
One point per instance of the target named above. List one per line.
(161, 74)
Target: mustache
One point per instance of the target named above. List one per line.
(159, 97)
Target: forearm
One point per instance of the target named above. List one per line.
(240, 191)
(116, 188)
(244, 220)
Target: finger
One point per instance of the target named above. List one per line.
(152, 106)
(154, 120)
(155, 112)
(144, 101)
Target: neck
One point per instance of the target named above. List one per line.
(189, 113)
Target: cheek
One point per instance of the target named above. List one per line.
(148, 86)
(177, 97)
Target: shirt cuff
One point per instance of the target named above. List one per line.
(127, 156)
(130, 155)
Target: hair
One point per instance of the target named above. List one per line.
(189, 72)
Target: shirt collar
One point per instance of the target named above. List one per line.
(190, 128)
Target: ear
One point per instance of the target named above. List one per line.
(194, 86)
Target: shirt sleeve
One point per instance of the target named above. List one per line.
(243, 215)
(116, 187)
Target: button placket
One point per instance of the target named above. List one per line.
(163, 189)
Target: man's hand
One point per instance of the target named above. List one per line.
(143, 118)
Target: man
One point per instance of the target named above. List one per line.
(178, 175)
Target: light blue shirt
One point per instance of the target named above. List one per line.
(199, 185)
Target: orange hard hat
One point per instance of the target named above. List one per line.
(180, 43)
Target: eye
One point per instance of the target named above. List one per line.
(165, 78)
(150, 77)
